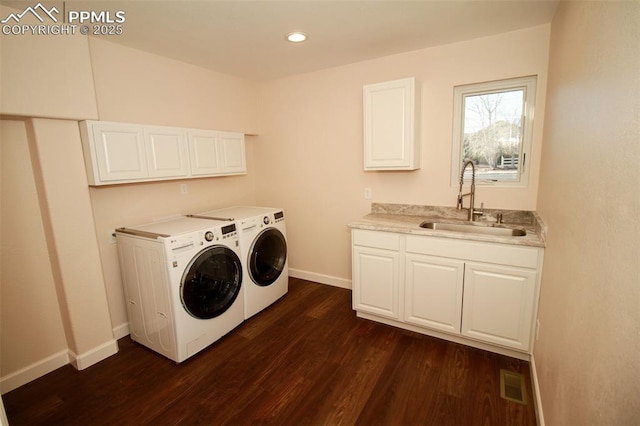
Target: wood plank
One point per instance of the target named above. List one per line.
(307, 359)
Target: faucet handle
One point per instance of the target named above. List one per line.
(478, 212)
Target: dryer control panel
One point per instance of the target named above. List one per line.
(273, 218)
(181, 243)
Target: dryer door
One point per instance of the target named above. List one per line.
(267, 257)
(211, 283)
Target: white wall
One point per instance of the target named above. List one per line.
(124, 85)
(53, 80)
(28, 290)
(588, 352)
(311, 142)
(139, 87)
(65, 207)
(45, 306)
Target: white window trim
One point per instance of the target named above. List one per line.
(529, 86)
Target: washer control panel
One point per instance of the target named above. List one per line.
(278, 216)
(229, 231)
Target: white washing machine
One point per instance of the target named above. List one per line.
(183, 283)
(263, 244)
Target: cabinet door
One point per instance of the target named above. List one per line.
(376, 281)
(433, 293)
(203, 153)
(165, 147)
(390, 138)
(498, 304)
(119, 151)
(231, 152)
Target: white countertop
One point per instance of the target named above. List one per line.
(406, 219)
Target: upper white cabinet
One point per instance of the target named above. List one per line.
(216, 152)
(203, 152)
(232, 155)
(113, 153)
(166, 152)
(123, 153)
(391, 125)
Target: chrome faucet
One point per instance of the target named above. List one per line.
(473, 214)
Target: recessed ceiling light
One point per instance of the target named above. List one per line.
(296, 37)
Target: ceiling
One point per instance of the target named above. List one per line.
(247, 38)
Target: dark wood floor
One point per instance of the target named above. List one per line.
(305, 360)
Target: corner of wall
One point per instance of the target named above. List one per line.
(93, 356)
(536, 391)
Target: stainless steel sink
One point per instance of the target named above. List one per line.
(475, 229)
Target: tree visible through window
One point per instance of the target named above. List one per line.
(493, 129)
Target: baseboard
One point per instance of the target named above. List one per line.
(320, 278)
(3, 415)
(536, 391)
(524, 356)
(34, 371)
(94, 356)
(121, 331)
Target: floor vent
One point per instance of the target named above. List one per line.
(512, 387)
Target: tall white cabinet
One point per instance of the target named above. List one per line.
(118, 153)
(391, 125)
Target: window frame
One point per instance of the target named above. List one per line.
(529, 85)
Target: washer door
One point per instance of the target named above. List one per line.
(211, 283)
(267, 257)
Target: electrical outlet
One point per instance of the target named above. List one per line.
(367, 193)
(537, 329)
(183, 188)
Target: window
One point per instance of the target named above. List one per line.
(492, 126)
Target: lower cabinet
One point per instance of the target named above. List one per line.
(472, 291)
(498, 304)
(376, 270)
(433, 292)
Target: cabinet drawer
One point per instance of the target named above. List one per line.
(377, 239)
(525, 257)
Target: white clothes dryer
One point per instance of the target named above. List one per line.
(263, 244)
(183, 283)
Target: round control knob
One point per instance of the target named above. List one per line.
(266, 220)
(208, 236)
